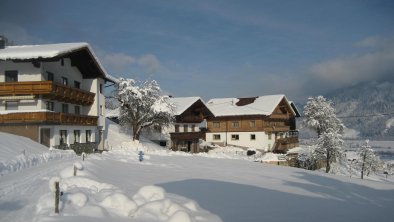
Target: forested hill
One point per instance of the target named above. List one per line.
(360, 104)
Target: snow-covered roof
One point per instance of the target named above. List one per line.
(47, 51)
(261, 105)
(39, 51)
(181, 104)
(110, 113)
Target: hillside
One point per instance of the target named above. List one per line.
(357, 107)
(360, 102)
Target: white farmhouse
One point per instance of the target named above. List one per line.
(266, 123)
(53, 94)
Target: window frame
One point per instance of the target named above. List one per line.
(216, 124)
(65, 108)
(64, 81)
(216, 137)
(8, 103)
(11, 76)
(77, 136)
(234, 136)
(235, 124)
(88, 136)
(49, 105)
(61, 133)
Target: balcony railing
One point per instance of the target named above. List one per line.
(283, 144)
(49, 89)
(187, 135)
(276, 128)
(48, 118)
(279, 116)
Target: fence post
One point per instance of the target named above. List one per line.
(75, 170)
(57, 196)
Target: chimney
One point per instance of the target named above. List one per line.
(3, 42)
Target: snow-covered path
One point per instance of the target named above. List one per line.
(19, 191)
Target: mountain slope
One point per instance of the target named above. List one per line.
(360, 103)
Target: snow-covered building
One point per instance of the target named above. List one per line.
(266, 123)
(190, 123)
(53, 94)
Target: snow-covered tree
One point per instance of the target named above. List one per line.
(329, 147)
(320, 116)
(368, 160)
(142, 105)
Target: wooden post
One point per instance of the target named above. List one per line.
(75, 170)
(57, 196)
(83, 157)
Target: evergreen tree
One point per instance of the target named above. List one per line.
(368, 160)
(329, 147)
(320, 116)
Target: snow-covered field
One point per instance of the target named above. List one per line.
(172, 186)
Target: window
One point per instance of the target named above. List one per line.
(65, 108)
(185, 128)
(252, 124)
(252, 136)
(270, 136)
(64, 81)
(11, 105)
(88, 136)
(49, 76)
(11, 76)
(77, 136)
(234, 137)
(77, 110)
(63, 137)
(235, 124)
(77, 84)
(101, 88)
(216, 124)
(101, 110)
(193, 128)
(50, 106)
(216, 136)
(177, 128)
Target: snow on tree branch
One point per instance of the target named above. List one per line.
(143, 105)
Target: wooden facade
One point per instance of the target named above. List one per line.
(188, 141)
(49, 90)
(280, 125)
(47, 118)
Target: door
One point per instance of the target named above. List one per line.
(189, 146)
(45, 136)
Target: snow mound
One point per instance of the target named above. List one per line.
(86, 197)
(18, 152)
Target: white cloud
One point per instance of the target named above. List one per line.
(150, 63)
(375, 65)
(118, 61)
(17, 34)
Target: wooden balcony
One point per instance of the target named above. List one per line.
(276, 128)
(283, 144)
(49, 89)
(48, 118)
(188, 136)
(279, 116)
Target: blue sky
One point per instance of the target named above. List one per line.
(221, 48)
